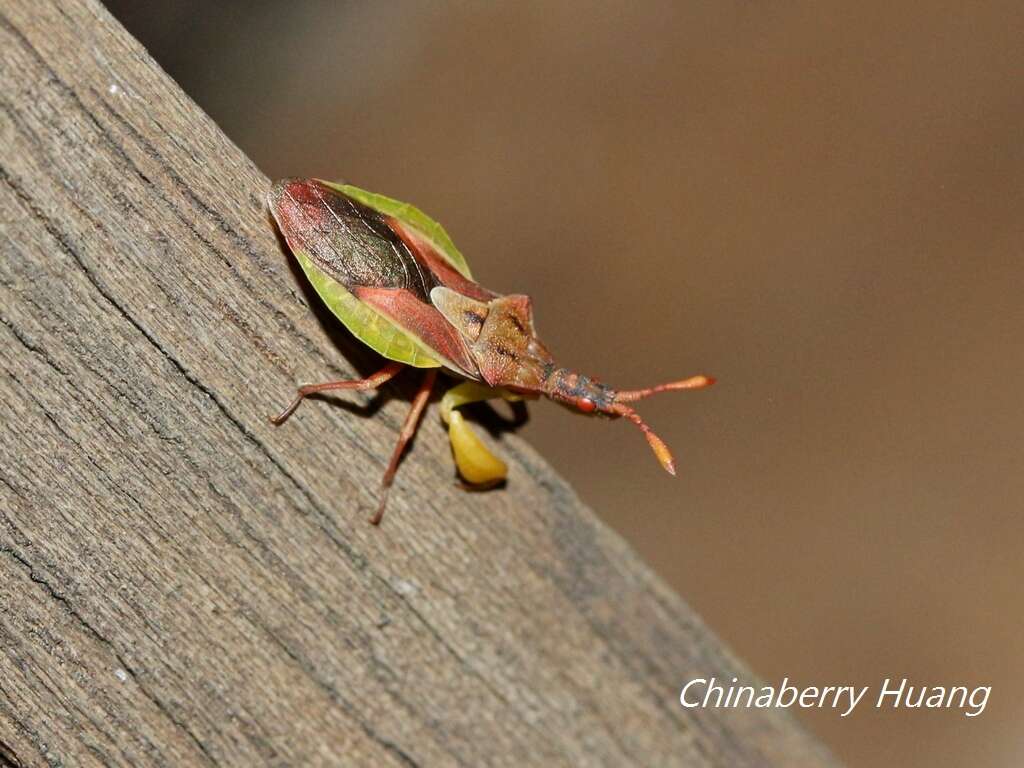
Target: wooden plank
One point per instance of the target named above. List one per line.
(183, 584)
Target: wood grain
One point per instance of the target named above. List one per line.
(183, 584)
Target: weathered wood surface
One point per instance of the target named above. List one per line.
(183, 584)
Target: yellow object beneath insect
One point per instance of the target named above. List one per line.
(475, 462)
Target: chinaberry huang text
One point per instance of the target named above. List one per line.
(710, 692)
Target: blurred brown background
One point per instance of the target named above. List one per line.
(818, 202)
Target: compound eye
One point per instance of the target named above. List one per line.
(586, 405)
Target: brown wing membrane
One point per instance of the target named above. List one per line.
(351, 243)
(430, 259)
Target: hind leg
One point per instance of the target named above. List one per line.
(370, 382)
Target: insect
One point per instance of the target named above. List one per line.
(394, 278)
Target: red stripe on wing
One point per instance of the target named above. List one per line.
(423, 321)
(429, 258)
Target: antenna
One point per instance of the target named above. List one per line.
(661, 451)
(694, 382)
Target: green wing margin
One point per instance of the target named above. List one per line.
(364, 322)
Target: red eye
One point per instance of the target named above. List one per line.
(586, 405)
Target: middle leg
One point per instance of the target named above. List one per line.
(412, 420)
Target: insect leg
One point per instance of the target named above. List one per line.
(370, 382)
(412, 420)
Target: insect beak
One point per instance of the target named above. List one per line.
(619, 407)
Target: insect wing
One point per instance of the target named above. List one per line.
(367, 275)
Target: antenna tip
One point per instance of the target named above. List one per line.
(694, 382)
(662, 453)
